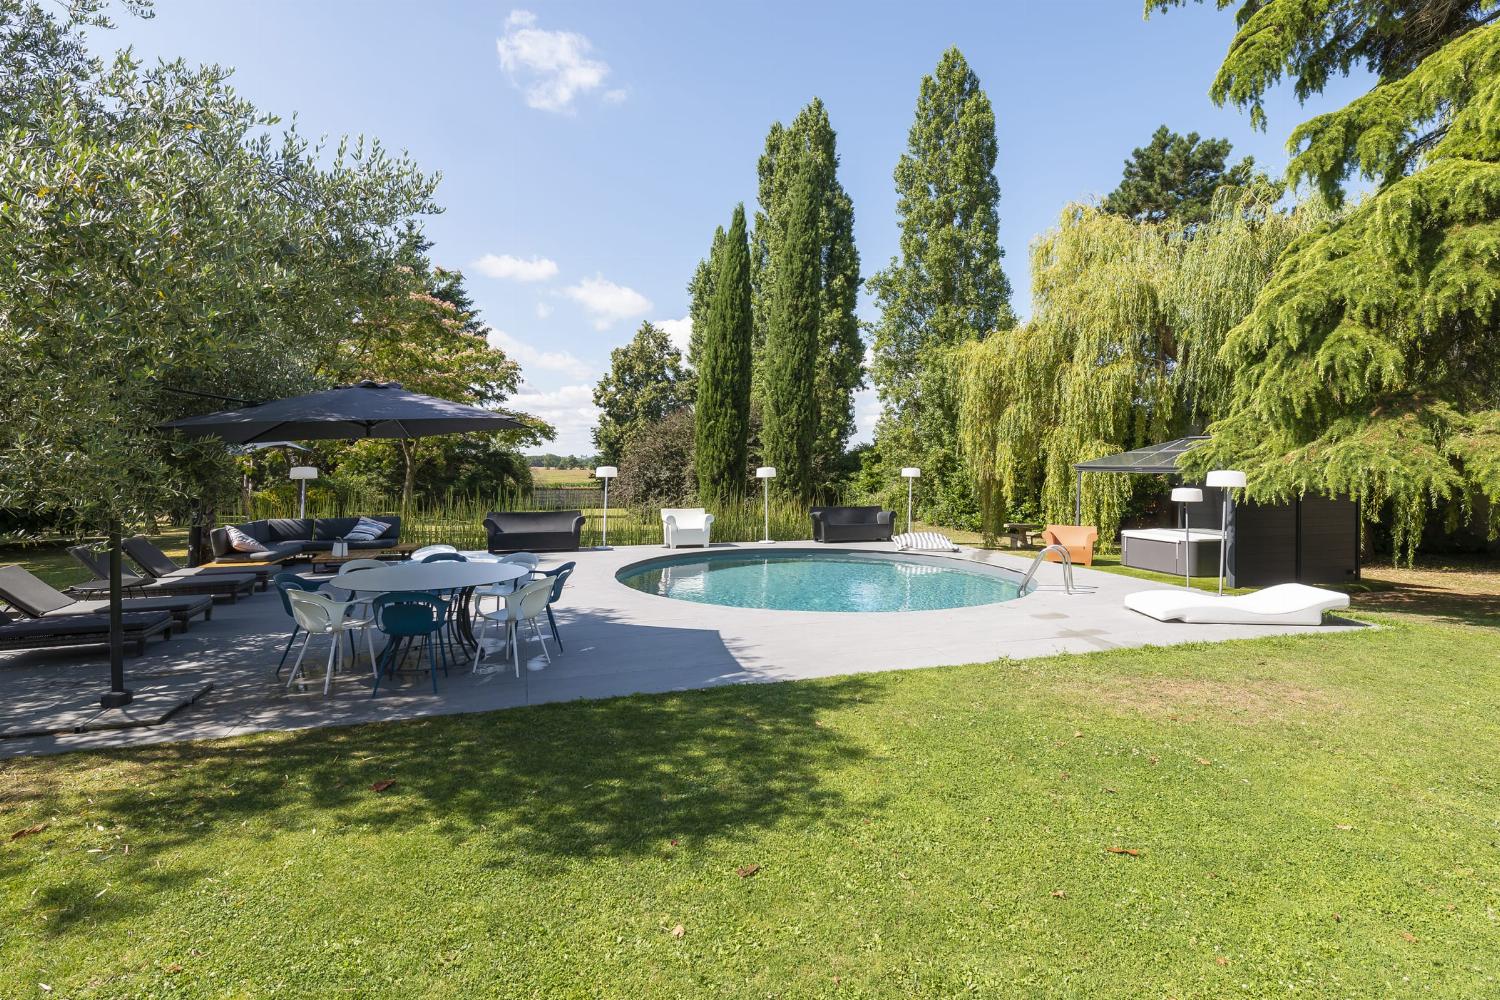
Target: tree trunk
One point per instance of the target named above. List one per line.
(409, 479)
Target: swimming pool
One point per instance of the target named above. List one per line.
(836, 580)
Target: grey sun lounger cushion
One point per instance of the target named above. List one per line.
(36, 598)
(82, 630)
(160, 566)
(225, 586)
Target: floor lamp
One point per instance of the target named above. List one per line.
(765, 474)
(1226, 480)
(302, 473)
(1186, 495)
(606, 473)
(911, 475)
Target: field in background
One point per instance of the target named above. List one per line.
(554, 477)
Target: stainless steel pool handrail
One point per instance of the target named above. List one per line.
(1067, 564)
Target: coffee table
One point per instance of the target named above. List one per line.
(393, 553)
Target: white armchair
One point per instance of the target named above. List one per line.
(685, 526)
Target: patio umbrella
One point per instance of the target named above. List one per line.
(364, 410)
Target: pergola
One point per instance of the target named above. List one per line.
(1152, 460)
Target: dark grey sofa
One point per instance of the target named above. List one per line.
(292, 537)
(852, 524)
(534, 530)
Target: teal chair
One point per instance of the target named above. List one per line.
(405, 616)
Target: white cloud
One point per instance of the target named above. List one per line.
(508, 268)
(551, 68)
(570, 409)
(543, 310)
(608, 302)
(530, 357)
(679, 331)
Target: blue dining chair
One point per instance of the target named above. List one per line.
(285, 582)
(445, 557)
(559, 578)
(408, 615)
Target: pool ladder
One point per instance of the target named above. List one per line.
(1067, 565)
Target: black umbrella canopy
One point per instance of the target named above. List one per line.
(363, 410)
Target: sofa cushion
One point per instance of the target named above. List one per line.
(289, 529)
(365, 530)
(273, 553)
(241, 541)
(332, 529)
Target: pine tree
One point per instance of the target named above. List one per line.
(722, 416)
(810, 143)
(946, 287)
(1175, 177)
(790, 402)
(1370, 363)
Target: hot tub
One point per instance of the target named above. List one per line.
(1169, 550)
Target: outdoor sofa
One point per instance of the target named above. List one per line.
(534, 530)
(222, 587)
(852, 524)
(35, 598)
(82, 630)
(290, 538)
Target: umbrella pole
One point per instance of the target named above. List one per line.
(117, 695)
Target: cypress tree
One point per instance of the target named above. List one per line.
(809, 142)
(722, 423)
(791, 351)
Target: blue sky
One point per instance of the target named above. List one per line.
(588, 149)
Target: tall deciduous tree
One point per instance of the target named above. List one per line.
(790, 401)
(722, 414)
(1175, 177)
(1370, 363)
(645, 382)
(809, 143)
(946, 287)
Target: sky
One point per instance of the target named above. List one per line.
(588, 149)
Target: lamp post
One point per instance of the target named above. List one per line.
(1186, 495)
(1226, 480)
(765, 474)
(910, 475)
(302, 473)
(606, 473)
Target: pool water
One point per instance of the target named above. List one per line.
(819, 581)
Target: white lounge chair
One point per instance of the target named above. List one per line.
(1283, 604)
(685, 526)
(927, 541)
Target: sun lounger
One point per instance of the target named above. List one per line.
(220, 586)
(35, 598)
(159, 566)
(924, 541)
(1284, 604)
(82, 630)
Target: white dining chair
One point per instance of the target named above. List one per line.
(501, 591)
(319, 614)
(428, 550)
(526, 605)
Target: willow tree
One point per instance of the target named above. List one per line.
(1370, 363)
(1123, 348)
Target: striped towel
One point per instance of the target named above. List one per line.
(930, 540)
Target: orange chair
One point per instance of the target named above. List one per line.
(1077, 539)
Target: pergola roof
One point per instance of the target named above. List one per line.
(1152, 459)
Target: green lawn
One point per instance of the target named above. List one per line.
(1312, 816)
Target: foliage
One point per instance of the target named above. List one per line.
(1175, 177)
(658, 468)
(946, 288)
(700, 291)
(809, 144)
(790, 406)
(1124, 349)
(722, 431)
(645, 382)
(1369, 363)
(548, 460)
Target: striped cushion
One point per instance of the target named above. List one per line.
(241, 542)
(365, 530)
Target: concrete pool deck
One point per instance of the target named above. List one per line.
(617, 641)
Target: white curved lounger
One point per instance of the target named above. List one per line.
(1284, 604)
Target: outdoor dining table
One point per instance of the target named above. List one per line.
(455, 580)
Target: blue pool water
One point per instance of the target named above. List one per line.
(818, 581)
